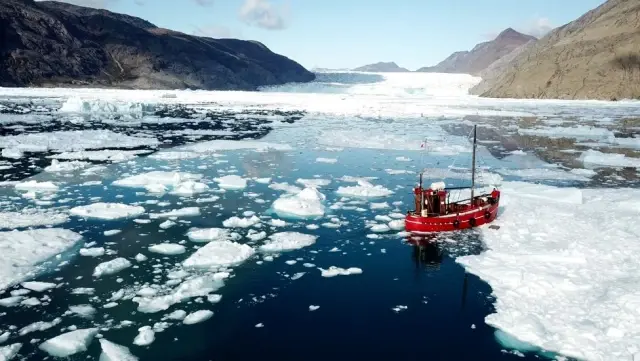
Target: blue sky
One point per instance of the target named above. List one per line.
(350, 33)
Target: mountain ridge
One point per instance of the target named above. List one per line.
(58, 44)
(382, 67)
(482, 55)
(596, 56)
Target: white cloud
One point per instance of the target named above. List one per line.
(537, 27)
(263, 14)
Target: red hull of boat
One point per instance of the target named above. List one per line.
(452, 222)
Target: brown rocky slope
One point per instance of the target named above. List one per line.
(596, 56)
(482, 55)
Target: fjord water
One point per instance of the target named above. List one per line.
(410, 301)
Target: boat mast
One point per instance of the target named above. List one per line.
(473, 164)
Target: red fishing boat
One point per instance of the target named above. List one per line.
(435, 213)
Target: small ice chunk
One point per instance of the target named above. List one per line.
(364, 189)
(59, 167)
(4, 337)
(298, 275)
(380, 228)
(314, 182)
(9, 352)
(214, 298)
(39, 326)
(259, 325)
(169, 249)
(10, 301)
(140, 257)
(217, 254)
(114, 352)
(197, 317)
(208, 234)
(337, 271)
(231, 182)
(313, 307)
(33, 185)
(182, 212)
(107, 211)
(397, 224)
(256, 236)
(145, 336)
(111, 267)
(86, 311)
(288, 241)
(236, 222)
(111, 232)
(306, 203)
(38, 286)
(69, 343)
(167, 224)
(92, 252)
(326, 160)
(178, 315)
(382, 205)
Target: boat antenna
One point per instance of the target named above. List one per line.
(473, 163)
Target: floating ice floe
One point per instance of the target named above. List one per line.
(285, 187)
(189, 188)
(38, 286)
(145, 336)
(34, 185)
(111, 267)
(197, 317)
(69, 343)
(364, 189)
(174, 155)
(337, 271)
(114, 352)
(288, 241)
(198, 286)
(71, 166)
(169, 249)
(21, 252)
(9, 352)
(208, 234)
(594, 157)
(86, 311)
(12, 153)
(236, 222)
(561, 278)
(326, 160)
(307, 203)
(314, 182)
(181, 212)
(220, 145)
(108, 211)
(74, 140)
(160, 182)
(219, 254)
(29, 217)
(231, 182)
(106, 155)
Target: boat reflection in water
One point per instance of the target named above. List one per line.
(428, 253)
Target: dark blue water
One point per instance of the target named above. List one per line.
(445, 307)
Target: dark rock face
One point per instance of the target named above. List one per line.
(382, 67)
(482, 55)
(58, 44)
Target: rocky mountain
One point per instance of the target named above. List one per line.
(482, 55)
(382, 67)
(497, 68)
(596, 56)
(57, 44)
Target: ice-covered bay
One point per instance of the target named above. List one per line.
(224, 227)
